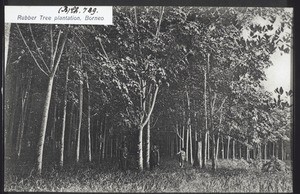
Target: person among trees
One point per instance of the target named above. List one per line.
(154, 156)
(181, 154)
(123, 156)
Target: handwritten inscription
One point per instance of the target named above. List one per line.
(76, 9)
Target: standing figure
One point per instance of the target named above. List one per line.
(154, 156)
(181, 154)
(123, 156)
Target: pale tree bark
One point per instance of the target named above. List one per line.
(148, 140)
(200, 153)
(55, 57)
(143, 123)
(62, 140)
(80, 110)
(7, 35)
(89, 118)
(189, 126)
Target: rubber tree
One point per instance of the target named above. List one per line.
(56, 52)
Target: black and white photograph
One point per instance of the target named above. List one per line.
(165, 99)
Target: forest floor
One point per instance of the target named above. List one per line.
(231, 176)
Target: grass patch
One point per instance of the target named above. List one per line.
(231, 176)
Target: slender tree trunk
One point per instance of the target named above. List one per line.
(273, 149)
(89, 118)
(223, 147)
(217, 147)
(205, 112)
(70, 131)
(53, 131)
(233, 149)
(7, 35)
(189, 127)
(214, 165)
(282, 150)
(240, 151)
(80, 120)
(265, 151)
(104, 138)
(205, 149)
(148, 138)
(23, 114)
(187, 144)
(247, 152)
(277, 148)
(208, 146)
(228, 147)
(62, 141)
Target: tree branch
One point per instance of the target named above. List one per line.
(31, 52)
(159, 23)
(37, 48)
(56, 48)
(60, 53)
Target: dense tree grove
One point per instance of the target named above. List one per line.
(179, 77)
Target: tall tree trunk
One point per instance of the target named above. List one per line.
(89, 118)
(282, 150)
(205, 112)
(189, 126)
(205, 149)
(265, 151)
(7, 35)
(23, 114)
(240, 151)
(187, 144)
(213, 160)
(53, 131)
(62, 141)
(70, 131)
(80, 120)
(40, 145)
(233, 149)
(148, 138)
(223, 147)
(247, 153)
(228, 147)
(217, 147)
(273, 149)
(277, 148)
(104, 137)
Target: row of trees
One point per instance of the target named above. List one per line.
(78, 91)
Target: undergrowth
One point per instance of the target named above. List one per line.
(231, 176)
